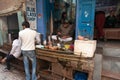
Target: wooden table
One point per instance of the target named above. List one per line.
(64, 63)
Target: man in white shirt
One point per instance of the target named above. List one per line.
(28, 37)
(14, 53)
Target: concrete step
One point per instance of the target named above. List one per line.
(111, 64)
(111, 51)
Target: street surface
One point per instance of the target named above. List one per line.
(14, 74)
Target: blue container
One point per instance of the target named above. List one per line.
(80, 76)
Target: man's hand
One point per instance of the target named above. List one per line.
(64, 37)
(59, 33)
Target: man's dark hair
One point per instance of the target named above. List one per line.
(26, 24)
(64, 13)
(15, 36)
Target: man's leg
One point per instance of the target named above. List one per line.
(34, 68)
(33, 59)
(26, 65)
(9, 58)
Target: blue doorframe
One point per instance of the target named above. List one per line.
(44, 8)
(41, 16)
(85, 18)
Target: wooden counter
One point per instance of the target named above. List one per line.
(64, 63)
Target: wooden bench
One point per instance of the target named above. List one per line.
(112, 33)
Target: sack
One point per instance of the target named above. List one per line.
(84, 48)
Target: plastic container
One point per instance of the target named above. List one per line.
(80, 76)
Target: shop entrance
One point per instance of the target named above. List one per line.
(64, 10)
(80, 13)
(107, 19)
(12, 21)
(77, 13)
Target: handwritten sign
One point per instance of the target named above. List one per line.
(31, 13)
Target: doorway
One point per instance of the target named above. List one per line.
(105, 26)
(61, 8)
(12, 21)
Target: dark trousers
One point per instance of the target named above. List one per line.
(8, 60)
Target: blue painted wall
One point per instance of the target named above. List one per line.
(85, 18)
(44, 8)
(41, 17)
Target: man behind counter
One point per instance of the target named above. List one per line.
(64, 32)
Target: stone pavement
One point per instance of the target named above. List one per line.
(14, 74)
(111, 58)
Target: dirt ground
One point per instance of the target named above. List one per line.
(14, 74)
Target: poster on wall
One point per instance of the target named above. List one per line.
(31, 13)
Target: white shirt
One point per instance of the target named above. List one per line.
(27, 38)
(16, 48)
